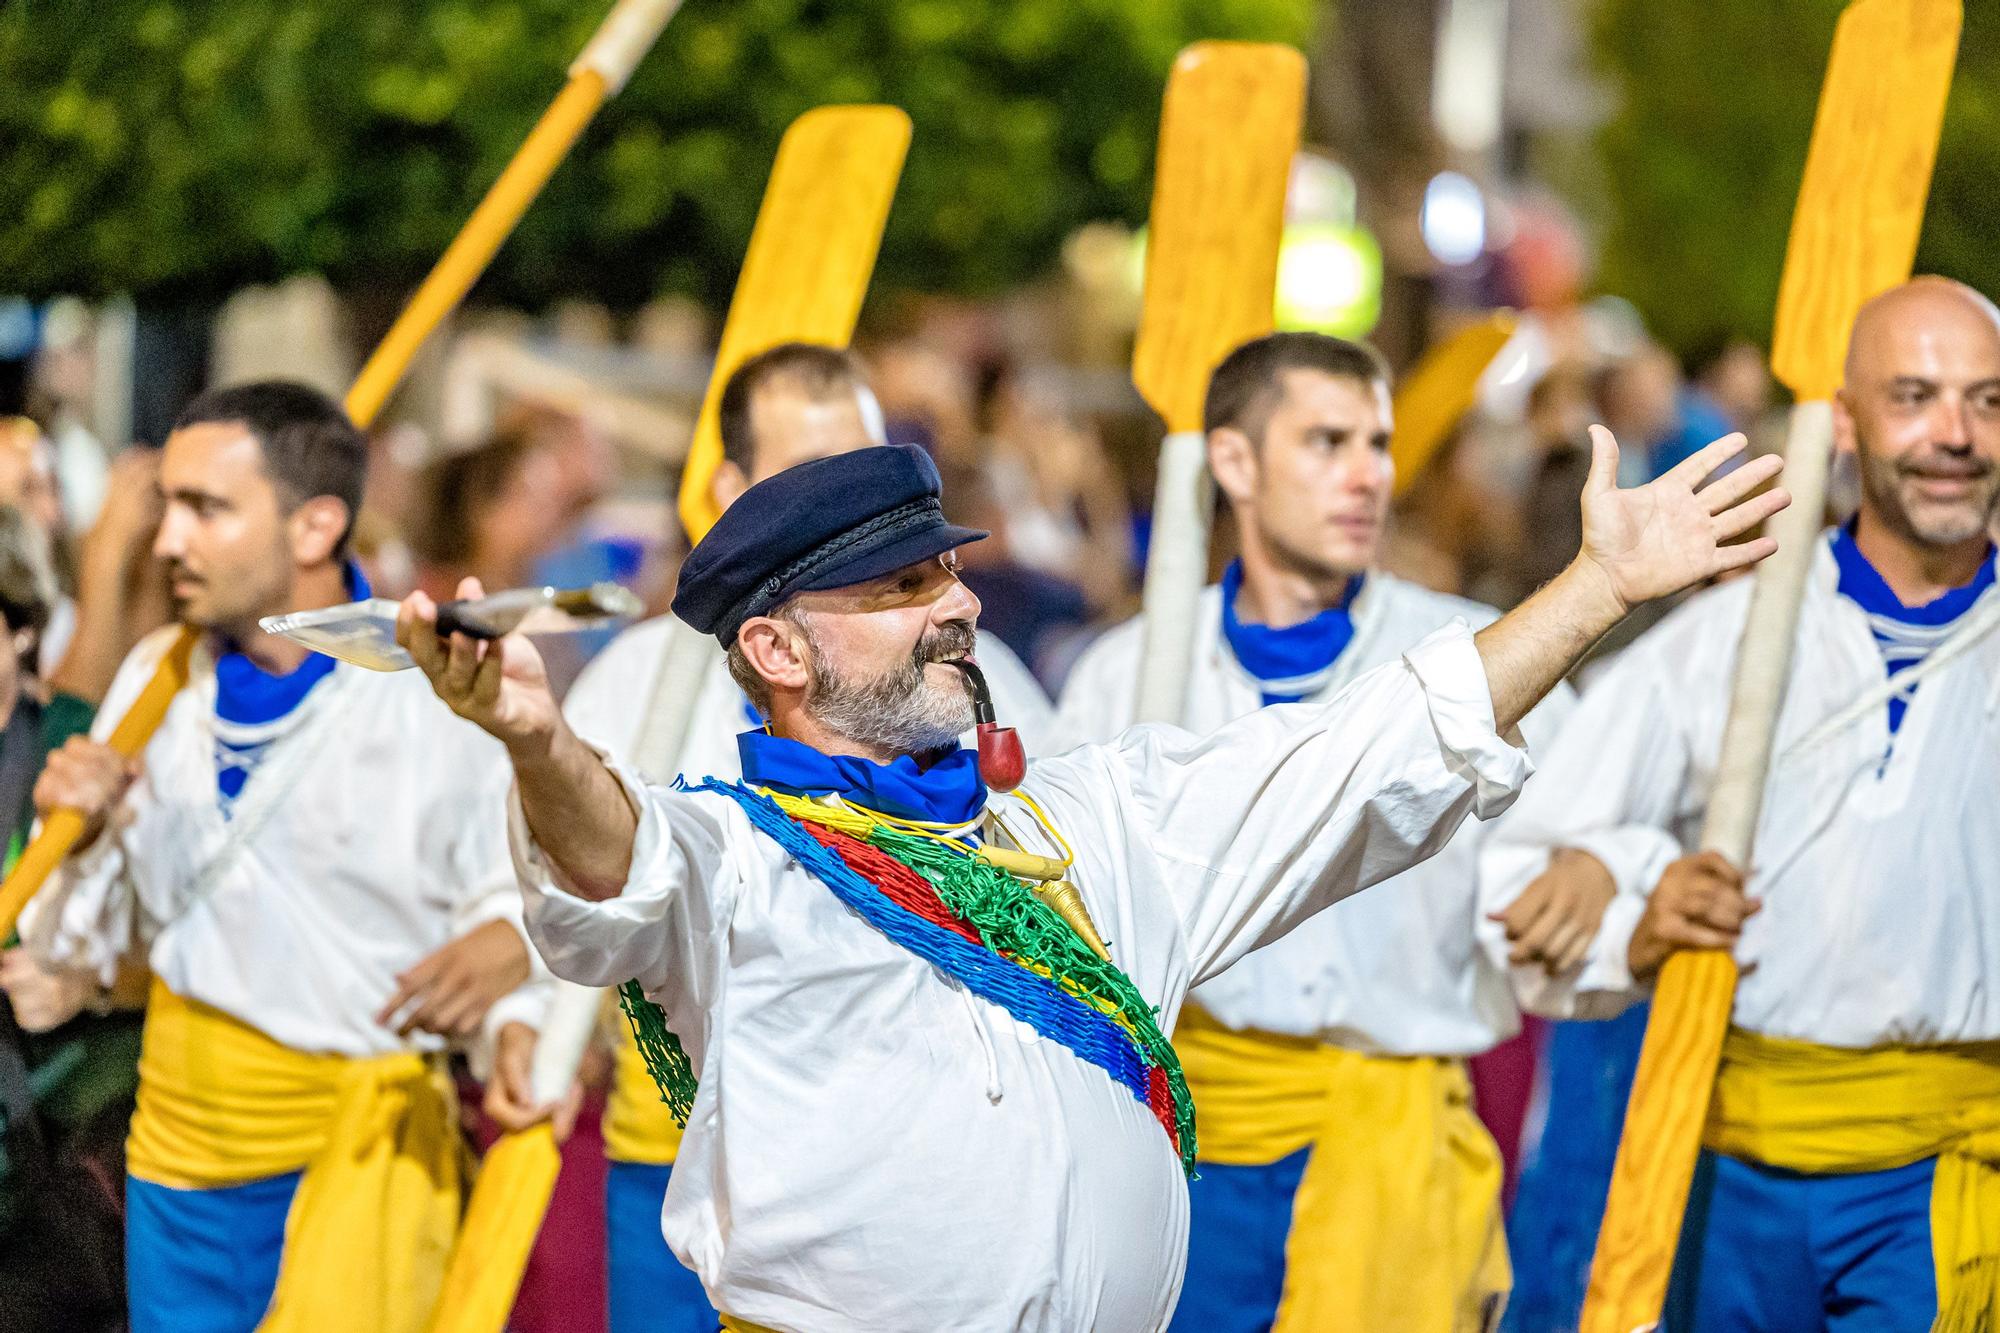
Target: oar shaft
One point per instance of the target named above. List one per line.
(1176, 571)
(60, 831)
(476, 245)
(1692, 1002)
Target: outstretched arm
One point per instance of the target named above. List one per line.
(1640, 544)
(578, 812)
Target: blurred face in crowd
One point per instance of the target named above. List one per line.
(792, 422)
(1921, 409)
(1312, 492)
(232, 543)
(864, 662)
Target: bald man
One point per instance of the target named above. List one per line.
(1851, 1149)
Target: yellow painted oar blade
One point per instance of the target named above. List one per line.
(1868, 174)
(1440, 390)
(1228, 131)
(811, 255)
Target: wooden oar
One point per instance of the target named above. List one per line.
(1439, 390)
(1854, 235)
(1229, 128)
(602, 68)
(810, 257)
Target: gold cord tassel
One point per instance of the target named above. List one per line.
(1068, 904)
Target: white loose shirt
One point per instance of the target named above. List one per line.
(387, 840)
(607, 705)
(1411, 969)
(1880, 881)
(873, 1147)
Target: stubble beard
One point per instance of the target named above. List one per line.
(1931, 526)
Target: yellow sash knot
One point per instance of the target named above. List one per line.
(371, 1226)
(1396, 1223)
(1828, 1110)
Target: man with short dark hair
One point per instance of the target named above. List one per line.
(915, 1019)
(789, 405)
(1346, 1181)
(322, 908)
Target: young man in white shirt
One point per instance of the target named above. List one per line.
(1346, 1181)
(307, 857)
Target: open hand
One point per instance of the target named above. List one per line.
(500, 685)
(1654, 540)
(449, 991)
(1556, 917)
(1699, 904)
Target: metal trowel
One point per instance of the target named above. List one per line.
(364, 633)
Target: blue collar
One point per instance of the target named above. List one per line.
(948, 792)
(1860, 582)
(248, 694)
(1286, 660)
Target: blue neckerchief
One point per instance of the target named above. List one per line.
(948, 792)
(1905, 634)
(1289, 663)
(248, 695)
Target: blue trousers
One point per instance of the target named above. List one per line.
(1771, 1251)
(1239, 1220)
(651, 1292)
(203, 1261)
(1587, 1069)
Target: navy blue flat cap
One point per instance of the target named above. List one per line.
(828, 523)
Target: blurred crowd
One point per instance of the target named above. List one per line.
(546, 495)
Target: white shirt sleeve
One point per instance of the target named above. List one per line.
(1262, 823)
(1612, 785)
(667, 926)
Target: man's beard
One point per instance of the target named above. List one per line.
(1884, 481)
(902, 710)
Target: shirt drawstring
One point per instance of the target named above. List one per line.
(994, 1090)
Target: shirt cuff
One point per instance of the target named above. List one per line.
(1447, 666)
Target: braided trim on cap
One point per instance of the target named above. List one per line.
(768, 593)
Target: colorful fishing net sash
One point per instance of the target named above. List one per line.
(975, 923)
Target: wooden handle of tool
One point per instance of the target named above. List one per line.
(60, 831)
(622, 40)
(1176, 572)
(565, 1036)
(670, 706)
(474, 247)
(1692, 1001)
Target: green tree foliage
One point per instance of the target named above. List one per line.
(182, 147)
(1704, 156)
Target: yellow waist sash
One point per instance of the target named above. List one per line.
(371, 1227)
(1396, 1223)
(637, 1124)
(1828, 1110)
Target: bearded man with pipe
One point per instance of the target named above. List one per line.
(917, 1012)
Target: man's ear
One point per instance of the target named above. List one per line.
(1232, 457)
(727, 484)
(1843, 424)
(776, 651)
(316, 529)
